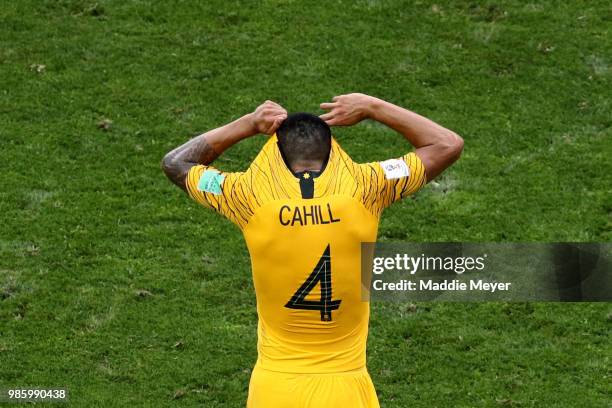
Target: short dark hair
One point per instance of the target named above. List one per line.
(304, 136)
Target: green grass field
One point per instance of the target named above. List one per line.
(114, 285)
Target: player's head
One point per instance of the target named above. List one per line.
(304, 141)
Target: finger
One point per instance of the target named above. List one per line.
(279, 111)
(278, 119)
(332, 121)
(272, 103)
(327, 116)
(335, 98)
(268, 104)
(335, 122)
(272, 111)
(276, 115)
(274, 126)
(273, 107)
(328, 105)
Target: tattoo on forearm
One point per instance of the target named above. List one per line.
(177, 163)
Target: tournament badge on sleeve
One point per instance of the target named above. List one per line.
(210, 182)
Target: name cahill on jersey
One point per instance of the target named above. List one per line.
(305, 215)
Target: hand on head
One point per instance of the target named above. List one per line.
(347, 110)
(268, 116)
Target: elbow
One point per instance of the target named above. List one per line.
(168, 164)
(454, 145)
(175, 169)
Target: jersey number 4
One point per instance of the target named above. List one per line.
(320, 274)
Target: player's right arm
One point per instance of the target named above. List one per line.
(436, 146)
(204, 149)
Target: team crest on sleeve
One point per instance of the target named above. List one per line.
(210, 181)
(395, 168)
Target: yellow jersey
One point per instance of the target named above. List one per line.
(304, 233)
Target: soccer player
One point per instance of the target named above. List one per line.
(304, 207)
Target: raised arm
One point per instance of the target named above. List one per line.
(436, 146)
(204, 149)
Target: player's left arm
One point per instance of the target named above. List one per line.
(204, 149)
(437, 147)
